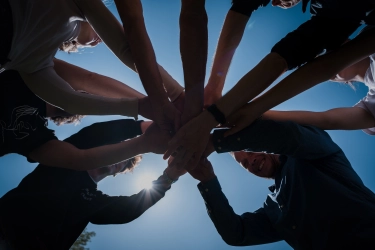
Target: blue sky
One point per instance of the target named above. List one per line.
(179, 220)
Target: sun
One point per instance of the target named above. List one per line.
(145, 181)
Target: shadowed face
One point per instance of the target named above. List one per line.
(285, 4)
(259, 164)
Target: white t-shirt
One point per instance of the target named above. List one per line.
(368, 102)
(39, 28)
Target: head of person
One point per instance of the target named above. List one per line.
(87, 38)
(258, 163)
(122, 167)
(285, 4)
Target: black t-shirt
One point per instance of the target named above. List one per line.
(22, 117)
(52, 206)
(332, 22)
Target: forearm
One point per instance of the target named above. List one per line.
(173, 88)
(248, 229)
(93, 83)
(126, 209)
(253, 83)
(53, 89)
(193, 48)
(61, 154)
(230, 38)
(340, 118)
(321, 69)
(141, 48)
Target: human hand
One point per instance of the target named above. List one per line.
(156, 139)
(242, 118)
(188, 145)
(167, 117)
(173, 172)
(204, 171)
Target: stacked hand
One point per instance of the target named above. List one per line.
(156, 139)
(242, 118)
(188, 145)
(167, 116)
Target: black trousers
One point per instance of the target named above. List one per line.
(6, 30)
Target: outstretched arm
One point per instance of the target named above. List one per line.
(236, 230)
(321, 69)
(100, 145)
(50, 87)
(93, 83)
(340, 118)
(193, 48)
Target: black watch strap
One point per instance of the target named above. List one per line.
(218, 115)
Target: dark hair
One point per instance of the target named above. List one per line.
(131, 164)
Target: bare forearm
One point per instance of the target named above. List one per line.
(230, 38)
(61, 154)
(351, 118)
(253, 83)
(319, 70)
(141, 48)
(93, 83)
(53, 89)
(193, 48)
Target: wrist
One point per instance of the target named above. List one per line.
(207, 178)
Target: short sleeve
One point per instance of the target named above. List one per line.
(246, 7)
(368, 104)
(22, 117)
(312, 38)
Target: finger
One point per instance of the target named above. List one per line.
(170, 151)
(177, 123)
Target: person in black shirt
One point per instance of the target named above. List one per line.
(332, 22)
(317, 202)
(52, 206)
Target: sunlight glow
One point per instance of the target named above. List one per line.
(145, 181)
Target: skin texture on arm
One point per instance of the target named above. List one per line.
(50, 87)
(93, 83)
(144, 57)
(339, 118)
(63, 154)
(230, 37)
(193, 49)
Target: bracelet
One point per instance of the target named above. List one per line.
(217, 114)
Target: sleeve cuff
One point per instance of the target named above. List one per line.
(131, 108)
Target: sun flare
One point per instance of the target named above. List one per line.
(145, 181)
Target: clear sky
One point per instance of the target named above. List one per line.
(179, 220)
